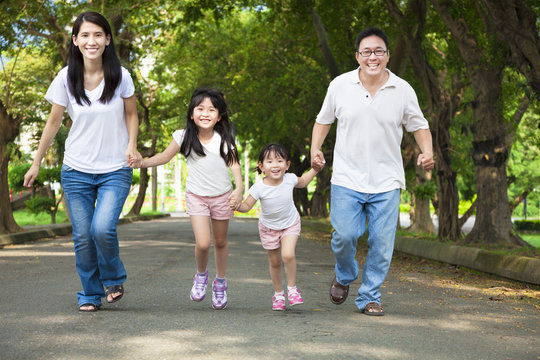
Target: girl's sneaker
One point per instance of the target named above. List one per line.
(294, 296)
(198, 291)
(278, 302)
(219, 295)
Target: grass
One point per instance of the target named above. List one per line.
(26, 218)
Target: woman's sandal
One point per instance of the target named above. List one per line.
(92, 307)
(112, 290)
(373, 309)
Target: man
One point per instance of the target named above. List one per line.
(372, 106)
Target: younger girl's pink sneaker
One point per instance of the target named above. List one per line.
(294, 296)
(278, 302)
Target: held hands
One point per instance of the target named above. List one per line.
(235, 200)
(317, 160)
(426, 161)
(134, 162)
(133, 157)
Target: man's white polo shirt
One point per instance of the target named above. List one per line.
(367, 154)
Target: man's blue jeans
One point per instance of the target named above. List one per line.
(349, 211)
(95, 202)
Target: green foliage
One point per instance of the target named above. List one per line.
(425, 191)
(46, 175)
(39, 204)
(527, 225)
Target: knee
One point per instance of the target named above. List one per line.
(202, 247)
(344, 241)
(220, 244)
(275, 262)
(288, 257)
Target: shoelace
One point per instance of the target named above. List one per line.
(219, 290)
(200, 283)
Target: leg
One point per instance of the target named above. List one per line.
(113, 189)
(288, 248)
(80, 196)
(382, 211)
(348, 220)
(274, 262)
(201, 230)
(221, 246)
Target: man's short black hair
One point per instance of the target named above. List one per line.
(370, 31)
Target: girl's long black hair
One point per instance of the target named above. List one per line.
(111, 64)
(223, 127)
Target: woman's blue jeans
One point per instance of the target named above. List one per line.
(349, 211)
(95, 202)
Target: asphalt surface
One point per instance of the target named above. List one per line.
(157, 320)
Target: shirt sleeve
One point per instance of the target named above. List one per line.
(413, 119)
(327, 115)
(292, 178)
(254, 191)
(178, 136)
(127, 89)
(57, 92)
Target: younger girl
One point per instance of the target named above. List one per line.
(208, 145)
(279, 222)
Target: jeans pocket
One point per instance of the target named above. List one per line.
(66, 168)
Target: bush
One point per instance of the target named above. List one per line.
(527, 225)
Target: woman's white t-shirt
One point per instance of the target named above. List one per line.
(98, 137)
(277, 205)
(207, 175)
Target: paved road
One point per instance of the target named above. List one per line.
(156, 319)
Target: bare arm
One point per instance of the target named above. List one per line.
(159, 159)
(425, 142)
(132, 124)
(236, 197)
(49, 132)
(247, 204)
(306, 178)
(320, 131)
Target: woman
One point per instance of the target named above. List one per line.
(99, 96)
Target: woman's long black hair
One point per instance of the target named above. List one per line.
(111, 64)
(223, 127)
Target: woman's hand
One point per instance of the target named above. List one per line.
(133, 157)
(31, 176)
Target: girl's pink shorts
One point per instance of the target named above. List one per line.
(271, 239)
(217, 207)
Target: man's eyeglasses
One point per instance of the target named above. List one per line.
(367, 53)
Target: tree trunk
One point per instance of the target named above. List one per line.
(422, 221)
(493, 224)
(323, 44)
(154, 188)
(515, 24)
(443, 104)
(143, 185)
(321, 196)
(10, 130)
(7, 222)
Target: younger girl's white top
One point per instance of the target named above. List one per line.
(98, 138)
(277, 206)
(207, 175)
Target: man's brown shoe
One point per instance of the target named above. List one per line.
(338, 292)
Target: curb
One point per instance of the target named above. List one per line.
(514, 267)
(51, 231)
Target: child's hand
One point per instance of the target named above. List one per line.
(235, 200)
(318, 165)
(134, 162)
